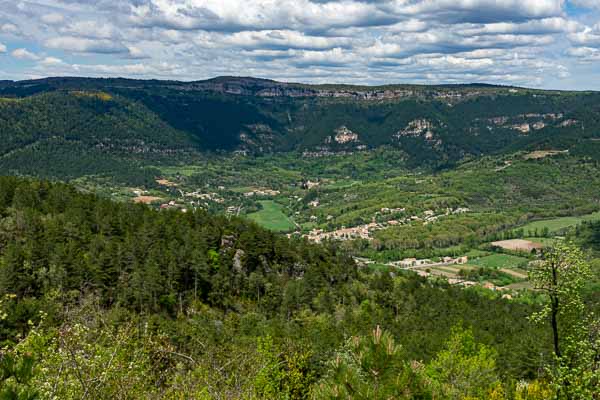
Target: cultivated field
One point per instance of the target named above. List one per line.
(146, 199)
(536, 155)
(517, 245)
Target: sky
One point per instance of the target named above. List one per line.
(552, 44)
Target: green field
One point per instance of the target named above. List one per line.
(185, 170)
(272, 217)
(557, 224)
(499, 261)
(476, 253)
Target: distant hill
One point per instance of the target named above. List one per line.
(77, 126)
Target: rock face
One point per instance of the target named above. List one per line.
(227, 242)
(416, 128)
(345, 135)
(538, 125)
(237, 261)
(523, 128)
(568, 122)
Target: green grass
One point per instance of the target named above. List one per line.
(379, 267)
(520, 285)
(342, 184)
(271, 216)
(516, 273)
(185, 170)
(499, 261)
(307, 226)
(557, 224)
(475, 253)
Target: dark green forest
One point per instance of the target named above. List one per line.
(115, 300)
(107, 126)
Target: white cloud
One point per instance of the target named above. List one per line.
(584, 54)
(84, 45)
(282, 39)
(90, 29)
(24, 54)
(2, 48)
(590, 36)
(366, 41)
(136, 53)
(9, 28)
(332, 58)
(51, 61)
(540, 26)
(240, 15)
(486, 10)
(53, 18)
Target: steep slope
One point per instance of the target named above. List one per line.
(73, 133)
(434, 125)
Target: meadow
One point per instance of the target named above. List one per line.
(500, 261)
(271, 216)
(557, 224)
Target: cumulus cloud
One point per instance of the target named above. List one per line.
(238, 15)
(2, 48)
(9, 28)
(84, 45)
(136, 53)
(90, 29)
(52, 18)
(24, 54)
(485, 11)
(585, 54)
(590, 36)
(541, 26)
(355, 41)
(51, 61)
(282, 39)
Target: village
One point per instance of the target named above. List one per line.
(365, 231)
(184, 200)
(427, 268)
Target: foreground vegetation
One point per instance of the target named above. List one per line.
(106, 300)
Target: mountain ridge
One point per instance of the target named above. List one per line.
(136, 120)
(68, 81)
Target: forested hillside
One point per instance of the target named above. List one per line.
(74, 125)
(158, 287)
(114, 300)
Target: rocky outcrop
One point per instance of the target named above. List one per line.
(523, 128)
(238, 266)
(344, 135)
(417, 128)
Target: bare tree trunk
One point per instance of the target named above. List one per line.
(555, 325)
(554, 305)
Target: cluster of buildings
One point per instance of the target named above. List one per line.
(364, 231)
(205, 196)
(416, 263)
(357, 232)
(262, 192)
(173, 205)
